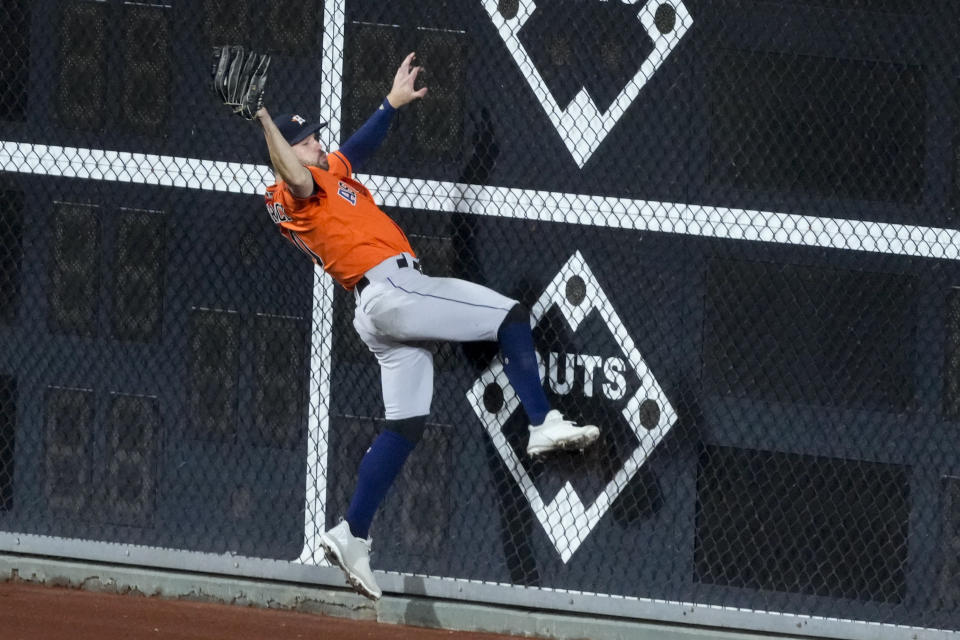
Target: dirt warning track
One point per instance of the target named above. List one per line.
(31, 612)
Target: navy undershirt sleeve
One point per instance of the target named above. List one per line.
(368, 138)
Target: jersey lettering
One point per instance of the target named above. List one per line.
(347, 192)
(277, 213)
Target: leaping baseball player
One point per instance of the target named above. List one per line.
(327, 214)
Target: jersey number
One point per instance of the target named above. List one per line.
(300, 244)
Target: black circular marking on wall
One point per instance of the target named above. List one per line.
(508, 8)
(649, 414)
(665, 18)
(493, 398)
(576, 290)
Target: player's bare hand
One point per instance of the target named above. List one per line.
(403, 91)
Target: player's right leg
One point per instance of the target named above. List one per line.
(352, 554)
(347, 545)
(406, 374)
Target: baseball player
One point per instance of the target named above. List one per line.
(327, 214)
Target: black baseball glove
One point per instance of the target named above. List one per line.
(239, 78)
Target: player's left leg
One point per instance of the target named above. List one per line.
(549, 430)
(412, 306)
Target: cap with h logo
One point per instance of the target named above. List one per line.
(295, 128)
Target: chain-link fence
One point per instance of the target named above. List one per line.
(734, 223)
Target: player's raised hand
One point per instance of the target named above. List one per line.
(403, 91)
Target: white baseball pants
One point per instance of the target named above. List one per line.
(399, 306)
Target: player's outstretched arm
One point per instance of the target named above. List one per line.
(284, 160)
(370, 136)
(402, 91)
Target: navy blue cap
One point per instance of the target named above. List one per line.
(295, 128)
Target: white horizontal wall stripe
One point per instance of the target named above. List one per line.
(504, 202)
(141, 168)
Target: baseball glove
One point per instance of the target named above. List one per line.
(239, 78)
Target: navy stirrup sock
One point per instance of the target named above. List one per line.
(379, 468)
(520, 365)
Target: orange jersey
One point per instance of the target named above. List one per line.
(340, 226)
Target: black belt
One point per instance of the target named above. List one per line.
(402, 263)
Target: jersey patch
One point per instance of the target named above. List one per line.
(347, 192)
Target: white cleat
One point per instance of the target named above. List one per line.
(559, 434)
(352, 555)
